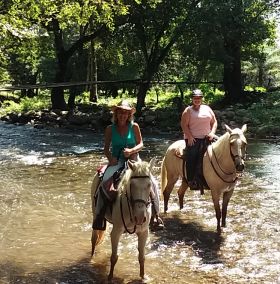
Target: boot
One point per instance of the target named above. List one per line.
(193, 185)
(99, 222)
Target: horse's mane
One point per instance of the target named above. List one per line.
(141, 168)
(221, 144)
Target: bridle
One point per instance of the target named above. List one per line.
(233, 157)
(131, 203)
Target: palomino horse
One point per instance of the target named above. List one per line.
(131, 212)
(222, 162)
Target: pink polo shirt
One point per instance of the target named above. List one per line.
(199, 123)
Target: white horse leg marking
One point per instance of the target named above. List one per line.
(115, 238)
(142, 239)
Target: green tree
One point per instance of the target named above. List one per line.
(263, 68)
(156, 27)
(69, 24)
(230, 31)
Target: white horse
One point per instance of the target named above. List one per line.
(222, 162)
(131, 212)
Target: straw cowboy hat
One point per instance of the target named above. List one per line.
(125, 105)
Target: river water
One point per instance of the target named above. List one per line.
(45, 217)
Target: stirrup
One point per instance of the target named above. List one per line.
(157, 224)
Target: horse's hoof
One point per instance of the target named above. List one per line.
(146, 279)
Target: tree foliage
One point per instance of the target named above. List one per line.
(50, 41)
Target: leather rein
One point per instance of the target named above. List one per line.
(217, 162)
(130, 204)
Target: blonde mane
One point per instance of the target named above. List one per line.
(141, 168)
(223, 143)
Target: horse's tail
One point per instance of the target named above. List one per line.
(97, 238)
(163, 176)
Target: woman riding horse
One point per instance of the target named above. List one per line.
(125, 139)
(199, 125)
(222, 163)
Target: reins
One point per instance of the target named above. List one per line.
(217, 162)
(129, 205)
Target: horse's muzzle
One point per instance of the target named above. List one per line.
(140, 212)
(239, 164)
(240, 168)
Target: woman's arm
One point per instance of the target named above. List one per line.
(185, 119)
(214, 125)
(107, 143)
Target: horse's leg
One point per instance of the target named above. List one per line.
(167, 191)
(181, 193)
(142, 239)
(226, 197)
(216, 202)
(115, 238)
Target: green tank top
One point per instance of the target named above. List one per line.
(120, 142)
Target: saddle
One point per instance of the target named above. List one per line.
(108, 191)
(198, 182)
(110, 187)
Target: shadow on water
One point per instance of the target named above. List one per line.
(83, 271)
(206, 244)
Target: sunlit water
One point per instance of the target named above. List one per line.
(45, 217)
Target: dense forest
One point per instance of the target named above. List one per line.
(229, 42)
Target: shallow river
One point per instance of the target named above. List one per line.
(45, 217)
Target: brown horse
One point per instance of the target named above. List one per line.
(131, 212)
(222, 162)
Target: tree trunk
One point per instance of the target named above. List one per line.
(93, 73)
(57, 98)
(57, 93)
(232, 73)
(141, 95)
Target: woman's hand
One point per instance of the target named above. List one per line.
(211, 136)
(190, 140)
(127, 152)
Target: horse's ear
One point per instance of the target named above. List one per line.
(131, 165)
(228, 128)
(244, 128)
(152, 163)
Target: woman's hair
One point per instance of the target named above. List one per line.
(123, 106)
(115, 118)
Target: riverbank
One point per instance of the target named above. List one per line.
(262, 118)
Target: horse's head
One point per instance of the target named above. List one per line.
(140, 190)
(238, 145)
